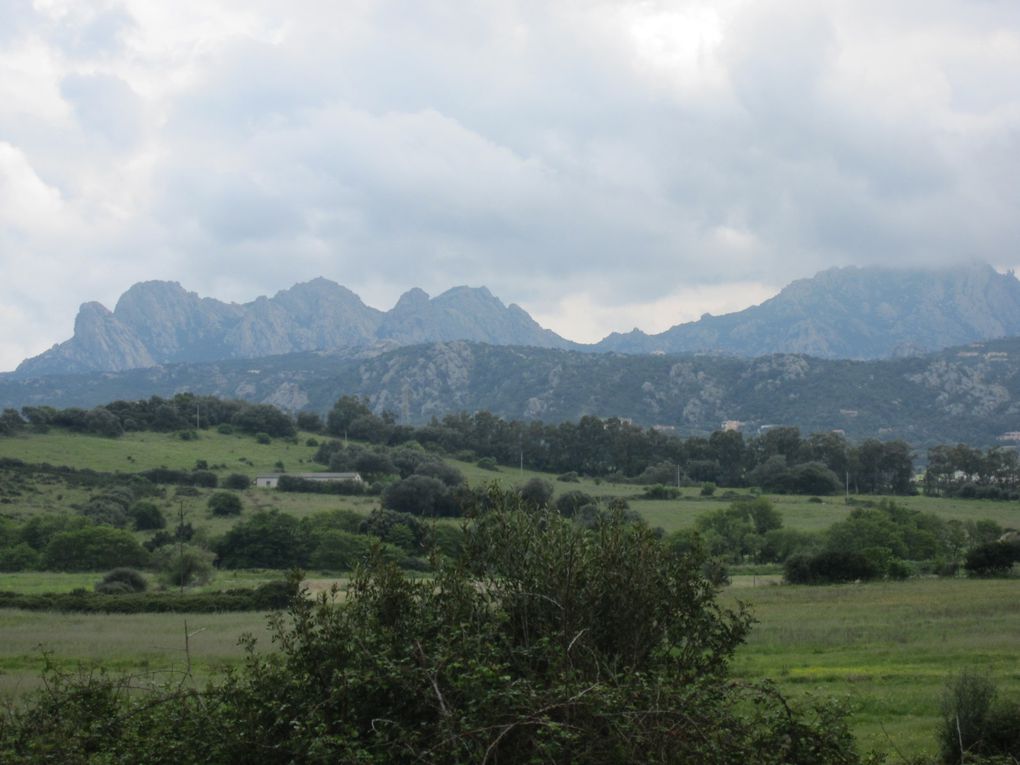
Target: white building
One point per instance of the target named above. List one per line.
(270, 480)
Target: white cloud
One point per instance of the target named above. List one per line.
(606, 164)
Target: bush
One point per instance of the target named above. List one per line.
(966, 701)
(222, 503)
(183, 565)
(571, 502)
(661, 492)
(129, 578)
(237, 481)
(830, 567)
(707, 489)
(991, 559)
(487, 463)
(537, 492)
(570, 476)
(93, 548)
(19, 557)
(263, 438)
(204, 478)
(420, 495)
(147, 517)
(266, 540)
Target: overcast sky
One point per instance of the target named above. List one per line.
(603, 164)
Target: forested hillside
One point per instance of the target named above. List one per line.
(969, 394)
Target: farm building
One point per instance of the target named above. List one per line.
(270, 480)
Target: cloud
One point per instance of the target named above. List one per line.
(105, 107)
(594, 162)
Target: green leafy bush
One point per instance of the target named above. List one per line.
(223, 503)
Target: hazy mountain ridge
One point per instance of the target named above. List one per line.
(969, 394)
(856, 313)
(161, 322)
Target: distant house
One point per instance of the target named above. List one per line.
(270, 480)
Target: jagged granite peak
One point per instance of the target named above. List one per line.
(98, 335)
(175, 324)
(310, 315)
(854, 313)
(158, 322)
(463, 313)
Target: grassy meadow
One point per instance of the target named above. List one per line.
(886, 648)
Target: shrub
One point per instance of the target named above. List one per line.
(829, 567)
(337, 550)
(237, 481)
(147, 517)
(113, 588)
(263, 438)
(93, 548)
(571, 502)
(487, 463)
(990, 559)
(966, 701)
(129, 578)
(204, 478)
(19, 557)
(223, 503)
(661, 492)
(106, 512)
(570, 476)
(707, 489)
(183, 565)
(266, 540)
(537, 492)
(420, 495)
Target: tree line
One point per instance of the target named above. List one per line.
(779, 459)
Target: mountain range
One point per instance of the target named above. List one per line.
(854, 313)
(158, 322)
(966, 394)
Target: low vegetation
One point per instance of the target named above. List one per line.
(154, 517)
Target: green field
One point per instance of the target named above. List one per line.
(885, 647)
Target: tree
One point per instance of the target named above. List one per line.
(147, 516)
(183, 565)
(237, 481)
(310, 422)
(266, 540)
(537, 492)
(344, 412)
(991, 559)
(420, 495)
(93, 548)
(224, 503)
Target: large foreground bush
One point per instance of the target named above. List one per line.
(544, 642)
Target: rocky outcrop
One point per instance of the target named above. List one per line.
(98, 334)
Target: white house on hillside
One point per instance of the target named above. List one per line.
(270, 480)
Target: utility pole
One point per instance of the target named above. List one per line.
(180, 544)
(678, 476)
